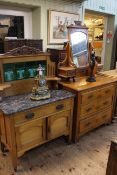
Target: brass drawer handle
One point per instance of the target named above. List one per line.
(59, 107)
(30, 115)
(107, 91)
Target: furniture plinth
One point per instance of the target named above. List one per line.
(94, 103)
(25, 124)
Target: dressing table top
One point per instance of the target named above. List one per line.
(81, 84)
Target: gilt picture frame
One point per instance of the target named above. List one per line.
(57, 25)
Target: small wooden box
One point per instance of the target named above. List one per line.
(67, 72)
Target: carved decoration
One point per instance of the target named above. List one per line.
(67, 62)
(24, 50)
(66, 68)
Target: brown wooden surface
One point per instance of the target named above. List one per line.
(10, 139)
(45, 110)
(58, 124)
(2, 129)
(112, 159)
(67, 68)
(112, 74)
(91, 102)
(30, 134)
(20, 133)
(81, 84)
(4, 86)
(58, 55)
(95, 120)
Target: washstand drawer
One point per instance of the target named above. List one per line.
(42, 111)
(95, 107)
(95, 121)
(99, 94)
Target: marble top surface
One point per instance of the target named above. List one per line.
(14, 104)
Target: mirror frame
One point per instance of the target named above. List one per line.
(84, 56)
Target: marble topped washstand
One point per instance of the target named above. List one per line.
(26, 124)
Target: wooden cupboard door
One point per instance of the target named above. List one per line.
(30, 134)
(59, 124)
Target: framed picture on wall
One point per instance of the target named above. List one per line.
(57, 26)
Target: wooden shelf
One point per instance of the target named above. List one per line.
(4, 86)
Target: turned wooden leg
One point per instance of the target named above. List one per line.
(14, 160)
(73, 79)
(2, 147)
(68, 139)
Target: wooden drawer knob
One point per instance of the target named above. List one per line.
(107, 91)
(88, 124)
(59, 107)
(104, 116)
(88, 110)
(99, 96)
(29, 115)
(105, 103)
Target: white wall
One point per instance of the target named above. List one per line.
(41, 23)
(109, 9)
(104, 6)
(20, 12)
(39, 15)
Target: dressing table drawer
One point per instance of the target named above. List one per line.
(95, 121)
(42, 111)
(95, 107)
(97, 95)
